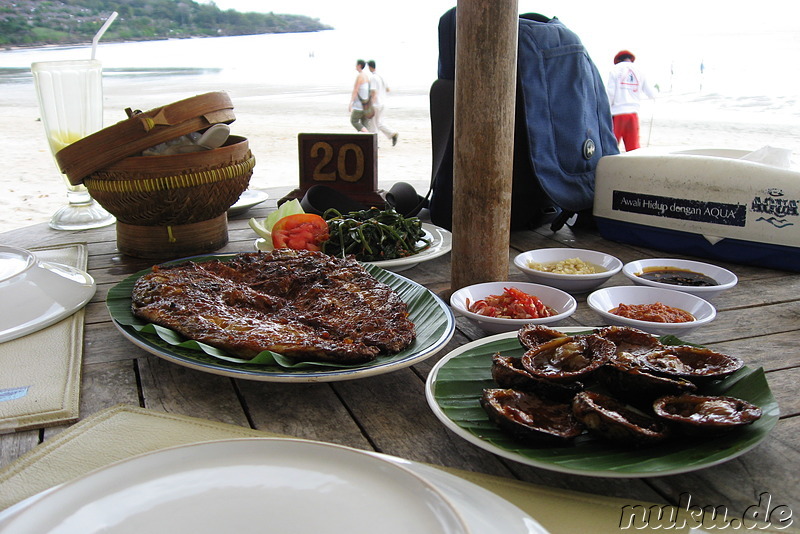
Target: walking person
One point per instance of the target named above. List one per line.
(626, 86)
(360, 99)
(378, 88)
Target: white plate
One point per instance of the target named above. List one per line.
(481, 510)
(247, 485)
(36, 294)
(441, 243)
(248, 199)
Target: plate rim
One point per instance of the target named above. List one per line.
(203, 451)
(238, 207)
(441, 244)
(436, 475)
(80, 294)
(489, 447)
(437, 249)
(325, 375)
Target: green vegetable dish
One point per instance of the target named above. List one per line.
(374, 235)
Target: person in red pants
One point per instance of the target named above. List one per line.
(626, 85)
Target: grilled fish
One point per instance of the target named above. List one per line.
(305, 305)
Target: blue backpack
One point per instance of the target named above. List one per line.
(563, 125)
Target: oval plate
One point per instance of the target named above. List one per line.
(441, 243)
(433, 319)
(455, 384)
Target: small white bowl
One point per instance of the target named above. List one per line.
(38, 294)
(573, 283)
(603, 300)
(724, 278)
(563, 303)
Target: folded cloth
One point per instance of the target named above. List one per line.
(405, 200)
(41, 378)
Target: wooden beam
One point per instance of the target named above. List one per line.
(485, 94)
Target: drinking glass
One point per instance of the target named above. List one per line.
(70, 95)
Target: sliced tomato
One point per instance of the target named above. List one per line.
(301, 231)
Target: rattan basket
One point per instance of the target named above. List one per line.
(166, 206)
(169, 206)
(177, 189)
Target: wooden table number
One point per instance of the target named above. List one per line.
(345, 162)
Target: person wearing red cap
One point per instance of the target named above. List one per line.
(626, 85)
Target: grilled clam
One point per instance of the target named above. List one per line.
(625, 377)
(700, 365)
(703, 415)
(613, 420)
(530, 417)
(508, 372)
(566, 359)
(533, 335)
(630, 340)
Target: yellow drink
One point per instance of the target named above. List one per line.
(59, 140)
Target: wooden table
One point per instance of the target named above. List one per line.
(758, 320)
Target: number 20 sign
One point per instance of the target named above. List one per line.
(347, 162)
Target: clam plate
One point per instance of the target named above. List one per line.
(454, 388)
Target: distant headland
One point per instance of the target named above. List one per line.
(26, 23)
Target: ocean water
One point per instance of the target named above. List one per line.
(738, 82)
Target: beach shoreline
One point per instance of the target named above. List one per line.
(271, 117)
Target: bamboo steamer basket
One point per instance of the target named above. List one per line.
(167, 206)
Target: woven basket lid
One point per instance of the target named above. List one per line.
(141, 131)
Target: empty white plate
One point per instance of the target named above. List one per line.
(244, 486)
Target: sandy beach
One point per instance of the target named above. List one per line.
(271, 118)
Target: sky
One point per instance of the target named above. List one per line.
(642, 18)
(648, 28)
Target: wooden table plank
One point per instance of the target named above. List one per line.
(176, 389)
(737, 484)
(309, 411)
(759, 320)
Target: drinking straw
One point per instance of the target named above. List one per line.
(101, 31)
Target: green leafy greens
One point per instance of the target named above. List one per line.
(373, 234)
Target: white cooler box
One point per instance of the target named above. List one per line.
(706, 202)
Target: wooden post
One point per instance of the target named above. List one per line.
(485, 95)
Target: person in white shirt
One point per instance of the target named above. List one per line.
(626, 86)
(379, 89)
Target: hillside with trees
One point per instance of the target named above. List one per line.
(65, 22)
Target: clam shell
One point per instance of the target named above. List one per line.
(613, 420)
(704, 415)
(567, 359)
(530, 417)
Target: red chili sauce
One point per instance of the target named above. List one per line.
(654, 313)
(512, 304)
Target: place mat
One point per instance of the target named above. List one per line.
(124, 431)
(41, 372)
